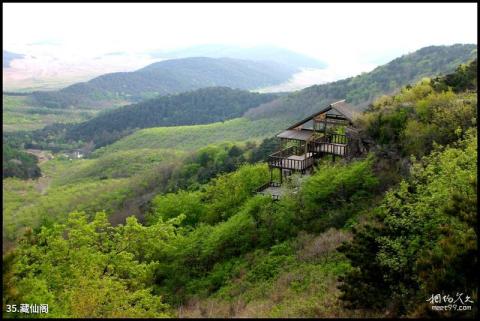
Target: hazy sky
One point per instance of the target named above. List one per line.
(331, 32)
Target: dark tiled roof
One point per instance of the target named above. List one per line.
(341, 106)
(303, 134)
(345, 109)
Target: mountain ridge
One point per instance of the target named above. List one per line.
(257, 53)
(362, 89)
(167, 77)
(201, 106)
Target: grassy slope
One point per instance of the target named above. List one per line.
(104, 181)
(118, 164)
(89, 184)
(302, 283)
(192, 137)
(26, 203)
(202, 106)
(305, 284)
(18, 114)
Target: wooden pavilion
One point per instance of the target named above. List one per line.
(303, 143)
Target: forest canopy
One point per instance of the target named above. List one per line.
(372, 236)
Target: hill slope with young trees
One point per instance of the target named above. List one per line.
(202, 106)
(406, 214)
(363, 89)
(359, 90)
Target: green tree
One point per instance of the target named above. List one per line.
(91, 269)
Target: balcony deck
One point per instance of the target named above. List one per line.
(294, 162)
(293, 158)
(330, 148)
(298, 159)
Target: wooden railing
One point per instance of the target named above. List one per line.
(335, 144)
(281, 159)
(329, 148)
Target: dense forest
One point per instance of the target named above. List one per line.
(201, 106)
(18, 163)
(163, 78)
(50, 137)
(194, 107)
(119, 181)
(422, 237)
(370, 237)
(362, 89)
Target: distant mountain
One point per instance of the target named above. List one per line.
(270, 53)
(8, 56)
(362, 89)
(167, 77)
(202, 106)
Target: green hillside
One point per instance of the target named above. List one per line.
(20, 114)
(202, 106)
(191, 137)
(210, 105)
(53, 137)
(164, 78)
(120, 182)
(363, 89)
(164, 222)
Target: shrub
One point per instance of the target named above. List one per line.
(334, 192)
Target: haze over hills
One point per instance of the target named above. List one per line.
(8, 57)
(167, 77)
(265, 52)
(149, 169)
(52, 69)
(362, 89)
(272, 112)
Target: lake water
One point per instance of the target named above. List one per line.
(309, 77)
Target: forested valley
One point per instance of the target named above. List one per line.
(159, 218)
(86, 129)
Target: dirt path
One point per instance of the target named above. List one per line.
(42, 184)
(43, 156)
